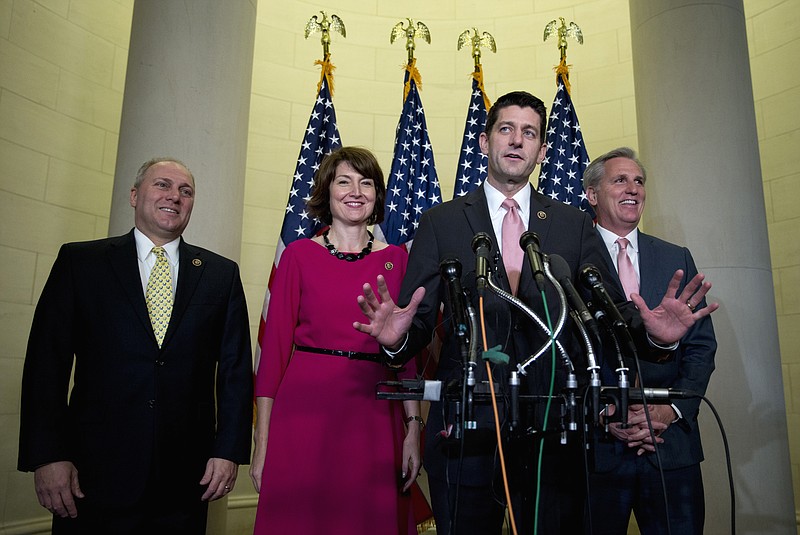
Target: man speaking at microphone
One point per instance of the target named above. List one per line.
(626, 476)
(467, 489)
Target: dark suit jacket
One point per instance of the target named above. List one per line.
(136, 411)
(447, 231)
(691, 367)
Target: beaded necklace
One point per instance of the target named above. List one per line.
(348, 257)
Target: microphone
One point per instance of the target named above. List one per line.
(481, 245)
(560, 270)
(590, 277)
(450, 270)
(529, 241)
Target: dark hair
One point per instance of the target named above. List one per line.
(523, 99)
(594, 172)
(363, 161)
(151, 162)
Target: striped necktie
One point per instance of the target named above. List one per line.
(159, 295)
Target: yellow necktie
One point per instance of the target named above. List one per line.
(159, 295)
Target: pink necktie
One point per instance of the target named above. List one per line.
(512, 229)
(627, 275)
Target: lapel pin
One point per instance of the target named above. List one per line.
(541, 214)
(197, 262)
(389, 266)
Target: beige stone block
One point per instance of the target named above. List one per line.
(79, 188)
(770, 73)
(110, 153)
(791, 374)
(273, 154)
(44, 263)
(28, 75)
(60, 7)
(67, 45)
(21, 502)
(17, 268)
(120, 69)
(354, 61)
(783, 243)
(50, 132)
(782, 196)
(101, 227)
(6, 7)
(276, 44)
(427, 12)
(601, 15)
(22, 171)
(610, 82)
(778, 155)
(773, 27)
(790, 289)
(755, 7)
(600, 122)
(269, 116)
(10, 380)
(39, 226)
(89, 102)
(629, 125)
(789, 336)
(359, 129)
(256, 264)
(110, 21)
(280, 81)
(15, 323)
(781, 112)
(261, 226)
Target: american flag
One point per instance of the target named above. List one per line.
(321, 138)
(472, 162)
(566, 158)
(413, 186)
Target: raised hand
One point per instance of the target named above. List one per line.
(387, 322)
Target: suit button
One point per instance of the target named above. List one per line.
(151, 403)
(160, 363)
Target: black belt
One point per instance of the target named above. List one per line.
(352, 355)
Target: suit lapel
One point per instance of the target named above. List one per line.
(190, 270)
(648, 267)
(538, 222)
(476, 210)
(125, 266)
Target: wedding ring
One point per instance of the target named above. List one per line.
(691, 306)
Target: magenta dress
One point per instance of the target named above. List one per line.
(333, 453)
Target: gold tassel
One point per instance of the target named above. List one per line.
(477, 74)
(327, 73)
(563, 71)
(413, 74)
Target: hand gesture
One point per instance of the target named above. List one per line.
(674, 316)
(388, 323)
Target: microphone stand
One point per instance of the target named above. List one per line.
(593, 369)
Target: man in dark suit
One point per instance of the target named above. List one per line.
(471, 482)
(626, 476)
(160, 412)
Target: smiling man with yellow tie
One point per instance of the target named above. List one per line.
(160, 413)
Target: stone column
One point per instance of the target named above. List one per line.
(187, 95)
(698, 139)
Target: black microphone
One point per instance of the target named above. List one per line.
(481, 244)
(560, 270)
(529, 242)
(590, 277)
(450, 270)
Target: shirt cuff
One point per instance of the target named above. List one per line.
(672, 347)
(393, 354)
(677, 411)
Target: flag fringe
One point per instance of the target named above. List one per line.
(326, 74)
(477, 74)
(413, 74)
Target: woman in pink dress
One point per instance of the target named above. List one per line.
(329, 457)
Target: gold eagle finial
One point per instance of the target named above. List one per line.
(411, 32)
(325, 26)
(564, 30)
(477, 40)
